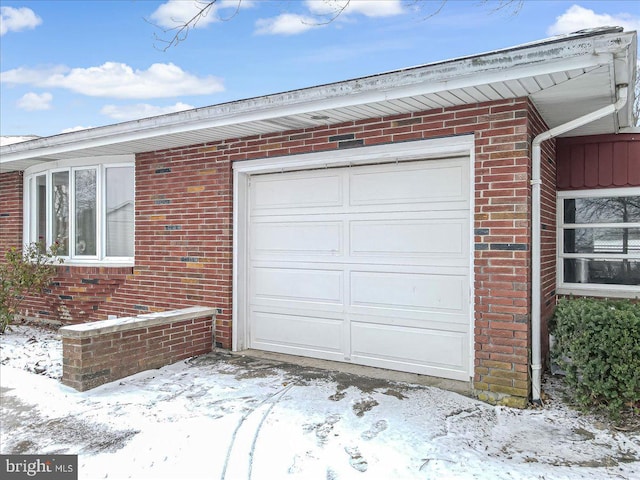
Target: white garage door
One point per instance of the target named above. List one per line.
(368, 265)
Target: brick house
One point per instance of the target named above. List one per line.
(421, 220)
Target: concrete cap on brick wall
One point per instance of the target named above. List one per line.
(129, 323)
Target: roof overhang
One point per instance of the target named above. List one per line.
(565, 77)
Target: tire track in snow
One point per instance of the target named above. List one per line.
(239, 460)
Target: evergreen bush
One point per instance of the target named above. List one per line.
(597, 344)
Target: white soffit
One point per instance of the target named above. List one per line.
(564, 77)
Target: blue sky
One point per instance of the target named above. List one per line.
(67, 65)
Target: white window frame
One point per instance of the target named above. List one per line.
(591, 289)
(73, 217)
(49, 174)
(29, 210)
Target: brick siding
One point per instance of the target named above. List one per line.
(10, 211)
(183, 212)
(76, 294)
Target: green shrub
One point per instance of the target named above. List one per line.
(24, 273)
(597, 344)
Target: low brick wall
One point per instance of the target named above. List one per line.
(100, 352)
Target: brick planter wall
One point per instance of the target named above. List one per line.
(101, 352)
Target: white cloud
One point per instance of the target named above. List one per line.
(322, 12)
(33, 101)
(118, 80)
(141, 110)
(33, 76)
(286, 24)
(16, 19)
(579, 18)
(369, 8)
(175, 13)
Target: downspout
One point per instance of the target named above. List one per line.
(536, 184)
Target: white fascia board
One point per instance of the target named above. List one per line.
(511, 64)
(81, 162)
(19, 165)
(325, 98)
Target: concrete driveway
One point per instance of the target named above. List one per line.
(220, 416)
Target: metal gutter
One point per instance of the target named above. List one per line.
(536, 185)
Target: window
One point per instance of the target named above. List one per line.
(599, 241)
(60, 205)
(40, 207)
(86, 193)
(87, 210)
(119, 211)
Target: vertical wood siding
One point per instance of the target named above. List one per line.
(601, 161)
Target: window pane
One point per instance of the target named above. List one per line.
(85, 214)
(60, 202)
(602, 210)
(41, 211)
(119, 214)
(600, 271)
(602, 240)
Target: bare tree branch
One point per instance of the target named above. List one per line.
(504, 5)
(437, 10)
(182, 28)
(338, 11)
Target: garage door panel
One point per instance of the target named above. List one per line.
(297, 238)
(409, 291)
(438, 352)
(409, 208)
(412, 184)
(410, 238)
(437, 320)
(285, 331)
(302, 309)
(366, 264)
(298, 285)
(271, 193)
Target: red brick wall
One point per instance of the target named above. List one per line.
(77, 294)
(95, 360)
(183, 235)
(502, 256)
(10, 211)
(183, 217)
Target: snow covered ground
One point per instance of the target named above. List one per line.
(231, 417)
